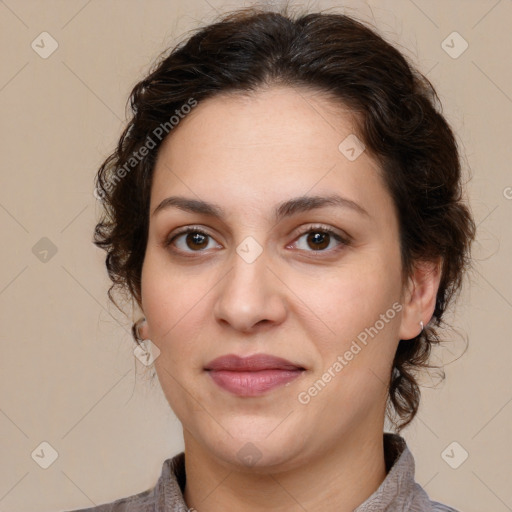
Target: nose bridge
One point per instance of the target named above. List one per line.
(249, 262)
(249, 293)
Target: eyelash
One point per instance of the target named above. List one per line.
(343, 241)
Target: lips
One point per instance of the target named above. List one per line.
(253, 375)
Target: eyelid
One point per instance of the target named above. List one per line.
(341, 235)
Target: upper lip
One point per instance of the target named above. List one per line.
(252, 363)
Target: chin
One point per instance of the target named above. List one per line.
(258, 447)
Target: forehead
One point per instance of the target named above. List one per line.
(272, 120)
(263, 147)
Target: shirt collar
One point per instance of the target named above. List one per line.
(399, 487)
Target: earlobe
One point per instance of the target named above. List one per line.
(420, 298)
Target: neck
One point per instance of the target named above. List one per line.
(339, 480)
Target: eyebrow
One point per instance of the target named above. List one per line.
(285, 209)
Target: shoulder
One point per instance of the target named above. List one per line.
(140, 502)
(420, 502)
(166, 494)
(440, 507)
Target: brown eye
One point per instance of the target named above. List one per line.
(196, 240)
(190, 240)
(318, 240)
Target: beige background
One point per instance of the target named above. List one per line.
(68, 376)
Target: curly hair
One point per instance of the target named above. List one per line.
(398, 117)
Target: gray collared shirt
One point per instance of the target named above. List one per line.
(398, 492)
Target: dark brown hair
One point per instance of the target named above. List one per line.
(399, 120)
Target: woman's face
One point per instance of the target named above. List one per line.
(259, 274)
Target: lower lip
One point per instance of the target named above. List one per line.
(252, 383)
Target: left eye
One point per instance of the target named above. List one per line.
(320, 239)
(192, 239)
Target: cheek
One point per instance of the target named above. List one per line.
(170, 299)
(169, 292)
(172, 303)
(357, 350)
(348, 301)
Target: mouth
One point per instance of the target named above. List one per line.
(253, 375)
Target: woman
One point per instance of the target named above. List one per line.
(285, 207)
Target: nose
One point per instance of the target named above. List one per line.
(250, 296)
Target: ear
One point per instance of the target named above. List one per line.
(419, 298)
(142, 324)
(143, 329)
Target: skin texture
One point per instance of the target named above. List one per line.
(248, 154)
